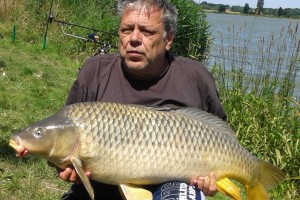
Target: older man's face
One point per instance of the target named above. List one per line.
(142, 42)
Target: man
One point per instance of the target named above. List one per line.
(144, 72)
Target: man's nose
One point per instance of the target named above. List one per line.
(136, 37)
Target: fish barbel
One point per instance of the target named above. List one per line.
(132, 145)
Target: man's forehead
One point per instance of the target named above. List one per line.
(144, 10)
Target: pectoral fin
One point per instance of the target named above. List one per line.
(229, 188)
(131, 192)
(85, 180)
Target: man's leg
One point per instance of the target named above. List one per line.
(101, 191)
(177, 191)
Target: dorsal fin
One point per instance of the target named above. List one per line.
(196, 114)
(207, 118)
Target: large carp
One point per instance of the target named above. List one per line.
(131, 146)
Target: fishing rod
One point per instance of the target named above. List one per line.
(92, 37)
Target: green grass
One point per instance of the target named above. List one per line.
(33, 85)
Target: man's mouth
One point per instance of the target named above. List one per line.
(134, 55)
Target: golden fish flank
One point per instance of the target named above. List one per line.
(130, 145)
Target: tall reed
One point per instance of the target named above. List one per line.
(257, 86)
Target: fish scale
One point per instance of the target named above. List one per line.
(130, 144)
(180, 144)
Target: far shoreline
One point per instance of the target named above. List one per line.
(239, 13)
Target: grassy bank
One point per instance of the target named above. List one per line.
(33, 85)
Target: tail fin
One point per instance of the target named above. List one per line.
(269, 177)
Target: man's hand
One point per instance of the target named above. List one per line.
(207, 184)
(68, 174)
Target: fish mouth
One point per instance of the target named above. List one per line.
(21, 151)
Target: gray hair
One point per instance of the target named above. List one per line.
(169, 10)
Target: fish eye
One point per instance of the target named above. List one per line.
(38, 133)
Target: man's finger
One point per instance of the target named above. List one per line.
(200, 183)
(64, 174)
(212, 190)
(74, 177)
(206, 184)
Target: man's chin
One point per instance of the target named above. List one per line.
(136, 70)
(136, 66)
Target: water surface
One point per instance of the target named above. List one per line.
(255, 43)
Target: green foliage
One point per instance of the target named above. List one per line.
(33, 85)
(246, 8)
(31, 18)
(211, 6)
(239, 9)
(2, 64)
(101, 16)
(222, 8)
(260, 6)
(193, 36)
(267, 133)
(280, 11)
(287, 12)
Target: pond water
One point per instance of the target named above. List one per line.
(257, 44)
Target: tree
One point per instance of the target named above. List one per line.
(222, 8)
(246, 8)
(236, 9)
(280, 11)
(260, 6)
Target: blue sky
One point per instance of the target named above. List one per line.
(253, 3)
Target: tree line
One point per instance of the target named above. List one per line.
(246, 9)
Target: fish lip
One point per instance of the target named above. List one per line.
(15, 143)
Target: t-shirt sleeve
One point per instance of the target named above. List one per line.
(74, 94)
(214, 105)
(78, 92)
(207, 90)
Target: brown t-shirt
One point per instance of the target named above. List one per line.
(185, 83)
(102, 78)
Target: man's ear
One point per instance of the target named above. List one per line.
(169, 40)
